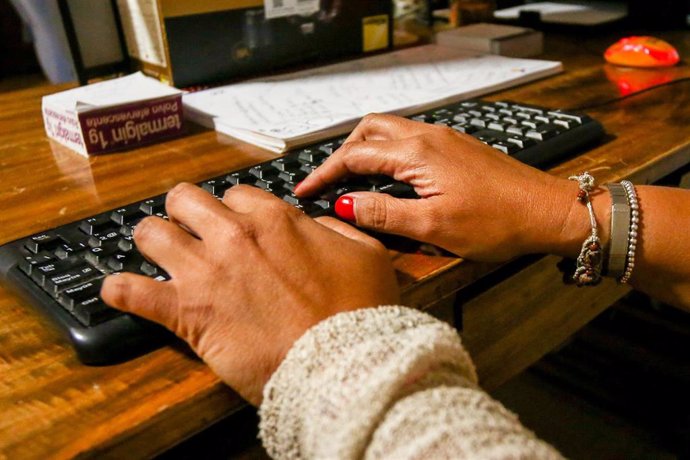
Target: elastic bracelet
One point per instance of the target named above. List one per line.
(620, 227)
(588, 263)
(632, 232)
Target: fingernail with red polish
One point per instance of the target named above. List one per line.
(345, 208)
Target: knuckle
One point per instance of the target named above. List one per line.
(145, 228)
(177, 195)
(427, 224)
(371, 118)
(376, 213)
(234, 231)
(178, 191)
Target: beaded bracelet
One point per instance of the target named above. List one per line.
(588, 263)
(633, 232)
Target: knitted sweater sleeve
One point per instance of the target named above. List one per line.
(386, 382)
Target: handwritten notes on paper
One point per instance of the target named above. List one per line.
(284, 111)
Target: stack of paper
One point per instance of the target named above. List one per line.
(287, 111)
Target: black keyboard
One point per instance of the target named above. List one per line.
(61, 269)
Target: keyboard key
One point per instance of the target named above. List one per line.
(29, 262)
(75, 275)
(292, 177)
(544, 132)
(154, 206)
(41, 272)
(330, 147)
(242, 177)
(532, 124)
(69, 250)
(497, 126)
(263, 171)
(516, 130)
(126, 243)
(70, 296)
(46, 241)
(521, 142)
(127, 214)
(311, 156)
(461, 118)
(444, 122)
(149, 269)
(216, 187)
(97, 224)
(99, 255)
(93, 311)
(270, 184)
(293, 199)
(103, 239)
(285, 163)
(505, 147)
(396, 189)
(467, 129)
(574, 117)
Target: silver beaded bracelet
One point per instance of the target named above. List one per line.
(632, 232)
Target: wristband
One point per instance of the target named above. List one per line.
(620, 227)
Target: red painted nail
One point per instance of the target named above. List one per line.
(345, 208)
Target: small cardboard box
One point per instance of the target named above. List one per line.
(498, 39)
(113, 115)
(190, 42)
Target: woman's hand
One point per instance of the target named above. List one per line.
(248, 277)
(474, 200)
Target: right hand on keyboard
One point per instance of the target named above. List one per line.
(249, 277)
(474, 200)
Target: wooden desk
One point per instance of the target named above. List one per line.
(50, 405)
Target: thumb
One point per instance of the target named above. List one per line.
(349, 231)
(143, 296)
(382, 212)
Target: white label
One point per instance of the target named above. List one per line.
(280, 8)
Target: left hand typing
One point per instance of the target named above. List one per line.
(250, 276)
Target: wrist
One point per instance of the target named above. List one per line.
(559, 222)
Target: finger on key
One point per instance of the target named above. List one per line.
(193, 207)
(166, 244)
(142, 296)
(245, 199)
(391, 158)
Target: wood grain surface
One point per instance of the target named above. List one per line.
(52, 406)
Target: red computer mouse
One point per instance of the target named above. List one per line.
(642, 52)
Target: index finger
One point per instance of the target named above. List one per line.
(360, 157)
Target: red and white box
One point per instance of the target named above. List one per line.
(114, 115)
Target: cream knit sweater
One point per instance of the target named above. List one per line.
(387, 382)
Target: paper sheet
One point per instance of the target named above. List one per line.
(296, 104)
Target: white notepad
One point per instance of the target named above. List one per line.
(287, 111)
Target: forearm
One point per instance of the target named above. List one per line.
(386, 382)
(663, 250)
